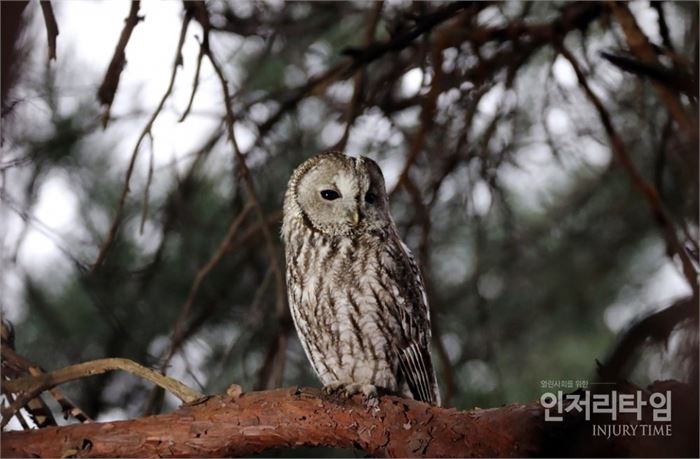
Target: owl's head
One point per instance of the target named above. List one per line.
(338, 194)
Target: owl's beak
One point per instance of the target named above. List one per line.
(355, 217)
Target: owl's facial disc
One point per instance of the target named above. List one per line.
(340, 197)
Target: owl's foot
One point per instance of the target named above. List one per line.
(348, 389)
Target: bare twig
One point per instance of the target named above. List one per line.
(673, 79)
(18, 414)
(15, 366)
(110, 82)
(203, 272)
(429, 102)
(361, 57)
(245, 173)
(149, 179)
(31, 386)
(423, 25)
(146, 130)
(640, 46)
(253, 231)
(202, 16)
(663, 25)
(15, 162)
(290, 99)
(175, 201)
(195, 84)
(353, 109)
(51, 27)
(51, 234)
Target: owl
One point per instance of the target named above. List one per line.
(355, 291)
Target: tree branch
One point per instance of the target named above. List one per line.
(51, 27)
(180, 330)
(355, 106)
(243, 425)
(673, 79)
(617, 146)
(641, 47)
(362, 57)
(281, 312)
(31, 386)
(15, 366)
(251, 423)
(114, 227)
(108, 88)
(657, 326)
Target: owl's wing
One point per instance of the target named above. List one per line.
(414, 358)
(418, 370)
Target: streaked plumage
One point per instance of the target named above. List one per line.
(355, 291)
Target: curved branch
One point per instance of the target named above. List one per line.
(31, 386)
(657, 326)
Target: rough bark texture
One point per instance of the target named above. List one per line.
(242, 425)
(251, 423)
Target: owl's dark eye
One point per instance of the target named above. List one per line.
(370, 198)
(329, 195)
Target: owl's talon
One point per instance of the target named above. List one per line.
(369, 391)
(346, 390)
(333, 388)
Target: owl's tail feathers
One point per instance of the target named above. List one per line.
(417, 368)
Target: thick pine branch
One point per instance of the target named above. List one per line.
(243, 425)
(289, 418)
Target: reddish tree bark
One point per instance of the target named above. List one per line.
(250, 423)
(241, 425)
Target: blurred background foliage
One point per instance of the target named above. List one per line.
(537, 248)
